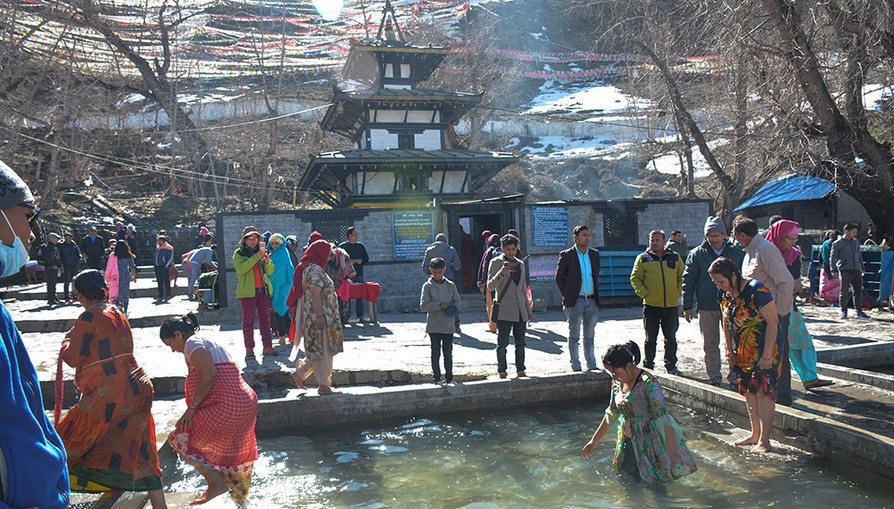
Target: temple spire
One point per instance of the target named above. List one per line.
(389, 28)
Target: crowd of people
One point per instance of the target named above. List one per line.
(742, 291)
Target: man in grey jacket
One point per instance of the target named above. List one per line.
(764, 262)
(700, 292)
(511, 311)
(847, 261)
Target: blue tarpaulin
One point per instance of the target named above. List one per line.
(789, 188)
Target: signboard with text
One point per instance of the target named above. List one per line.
(549, 226)
(413, 232)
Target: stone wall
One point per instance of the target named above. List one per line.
(401, 280)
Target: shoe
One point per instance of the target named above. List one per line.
(436, 380)
(521, 374)
(649, 366)
(861, 314)
(503, 375)
(733, 386)
(674, 371)
(716, 383)
(270, 351)
(843, 315)
(448, 380)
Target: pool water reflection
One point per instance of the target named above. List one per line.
(529, 458)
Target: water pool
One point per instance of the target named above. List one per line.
(529, 458)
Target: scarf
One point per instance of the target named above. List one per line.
(777, 234)
(316, 254)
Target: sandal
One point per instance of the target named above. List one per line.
(813, 384)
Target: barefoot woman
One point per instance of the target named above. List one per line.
(216, 434)
(751, 327)
(110, 432)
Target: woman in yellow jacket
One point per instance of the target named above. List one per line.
(253, 268)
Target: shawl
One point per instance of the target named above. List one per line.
(777, 234)
(316, 254)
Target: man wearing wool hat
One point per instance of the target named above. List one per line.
(33, 471)
(699, 292)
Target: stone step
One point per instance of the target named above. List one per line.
(144, 312)
(142, 287)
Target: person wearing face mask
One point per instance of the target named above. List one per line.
(33, 469)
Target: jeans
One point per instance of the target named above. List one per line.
(518, 333)
(258, 305)
(784, 384)
(70, 272)
(587, 312)
(851, 279)
(441, 342)
(669, 320)
(709, 322)
(163, 279)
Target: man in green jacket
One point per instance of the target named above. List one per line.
(657, 278)
(700, 293)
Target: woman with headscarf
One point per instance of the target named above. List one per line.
(493, 249)
(281, 279)
(120, 271)
(110, 433)
(216, 433)
(314, 294)
(784, 235)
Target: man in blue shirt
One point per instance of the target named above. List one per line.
(577, 277)
(33, 471)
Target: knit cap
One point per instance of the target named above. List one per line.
(13, 190)
(714, 224)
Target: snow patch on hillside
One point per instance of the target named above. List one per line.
(589, 98)
(669, 163)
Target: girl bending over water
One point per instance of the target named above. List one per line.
(650, 442)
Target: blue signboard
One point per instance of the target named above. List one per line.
(550, 226)
(413, 232)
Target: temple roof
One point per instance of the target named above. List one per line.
(327, 171)
(348, 107)
(425, 59)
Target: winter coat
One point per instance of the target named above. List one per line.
(433, 294)
(445, 251)
(698, 288)
(244, 266)
(281, 279)
(658, 280)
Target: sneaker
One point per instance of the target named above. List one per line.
(674, 371)
(843, 315)
(649, 366)
(521, 374)
(861, 314)
(503, 375)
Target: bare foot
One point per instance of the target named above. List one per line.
(212, 492)
(761, 448)
(746, 441)
(298, 381)
(325, 390)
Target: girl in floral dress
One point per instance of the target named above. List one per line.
(751, 328)
(650, 442)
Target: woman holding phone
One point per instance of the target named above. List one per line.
(253, 268)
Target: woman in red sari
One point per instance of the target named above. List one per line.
(110, 433)
(216, 434)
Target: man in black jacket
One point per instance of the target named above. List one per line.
(71, 257)
(577, 277)
(49, 254)
(359, 257)
(93, 247)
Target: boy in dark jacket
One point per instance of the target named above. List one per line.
(441, 301)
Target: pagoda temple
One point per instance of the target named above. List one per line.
(402, 154)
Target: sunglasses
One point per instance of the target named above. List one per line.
(33, 208)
